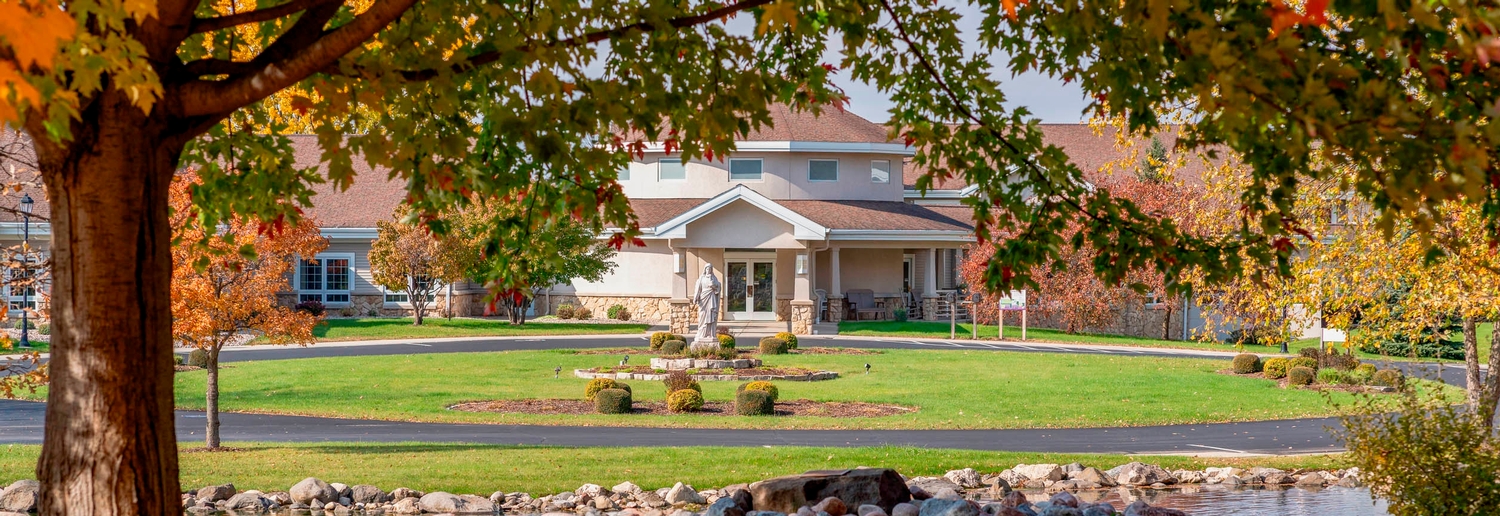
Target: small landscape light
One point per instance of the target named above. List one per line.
(625, 360)
(867, 368)
(557, 371)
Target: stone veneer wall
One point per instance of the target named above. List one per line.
(642, 308)
(783, 309)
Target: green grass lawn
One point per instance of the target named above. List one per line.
(376, 328)
(482, 469)
(952, 389)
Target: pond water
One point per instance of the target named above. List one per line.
(1217, 500)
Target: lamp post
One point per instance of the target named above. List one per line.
(26, 204)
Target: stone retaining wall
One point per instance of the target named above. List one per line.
(654, 310)
(674, 364)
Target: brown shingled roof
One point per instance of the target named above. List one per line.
(1086, 149)
(832, 125)
(867, 215)
(371, 198)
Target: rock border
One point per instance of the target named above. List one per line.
(815, 376)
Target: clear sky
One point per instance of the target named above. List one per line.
(1047, 98)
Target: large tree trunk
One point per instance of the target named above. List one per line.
(110, 448)
(1491, 396)
(1473, 386)
(211, 400)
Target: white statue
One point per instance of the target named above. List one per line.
(706, 296)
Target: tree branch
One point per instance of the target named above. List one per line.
(201, 25)
(295, 58)
(213, 66)
(485, 58)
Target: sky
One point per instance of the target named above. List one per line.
(1048, 98)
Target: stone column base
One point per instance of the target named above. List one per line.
(929, 307)
(835, 309)
(802, 317)
(681, 316)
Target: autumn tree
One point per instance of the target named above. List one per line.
(135, 89)
(408, 257)
(225, 290)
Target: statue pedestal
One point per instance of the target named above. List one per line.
(705, 344)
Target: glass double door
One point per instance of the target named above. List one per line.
(750, 289)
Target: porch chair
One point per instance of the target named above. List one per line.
(861, 302)
(822, 305)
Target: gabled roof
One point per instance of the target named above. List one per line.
(802, 227)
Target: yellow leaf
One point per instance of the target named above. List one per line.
(140, 9)
(777, 15)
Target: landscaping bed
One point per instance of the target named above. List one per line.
(728, 374)
(710, 408)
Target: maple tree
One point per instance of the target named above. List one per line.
(408, 257)
(225, 290)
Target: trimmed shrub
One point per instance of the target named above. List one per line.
(313, 307)
(374, 312)
(685, 400)
(1309, 353)
(899, 315)
(754, 403)
(618, 312)
(44, 328)
(348, 311)
(583, 312)
(659, 338)
(1331, 376)
(1300, 375)
(565, 311)
(198, 358)
(726, 341)
(1275, 368)
(1310, 363)
(1246, 363)
(680, 381)
(176, 359)
(1388, 378)
(1336, 360)
(673, 347)
(612, 401)
(599, 384)
(1366, 369)
(760, 385)
(23, 325)
(788, 337)
(772, 346)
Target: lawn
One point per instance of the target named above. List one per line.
(482, 469)
(952, 389)
(378, 328)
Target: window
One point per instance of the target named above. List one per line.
(880, 171)
(17, 297)
(325, 279)
(670, 170)
(401, 297)
(822, 170)
(1155, 300)
(744, 169)
(624, 174)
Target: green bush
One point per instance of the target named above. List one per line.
(760, 385)
(582, 313)
(24, 324)
(1336, 360)
(789, 337)
(198, 358)
(618, 312)
(1388, 378)
(177, 360)
(612, 401)
(673, 347)
(1312, 353)
(1310, 363)
(1246, 363)
(772, 346)
(599, 384)
(1331, 376)
(1301, 375)
(726, 341)
(1367, 369)
(754, 403)
(1275, 368)
(659, 338)
(721, 353)
(565, 311)
(680, 381)
(44, 328)
(899, 315)
(685, 400)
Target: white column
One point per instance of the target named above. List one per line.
(835, 282)
(929, 279)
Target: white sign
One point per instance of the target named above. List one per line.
(1015, 301)
(1333, 335)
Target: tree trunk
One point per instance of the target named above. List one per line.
(211, 403)
(1473, 386)
(1166, 324)
(418, 304)
(1491, 395)
(110, 448)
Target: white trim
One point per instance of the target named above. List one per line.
(14, 229)
(967, 191)
(323, 292)
(904, 235)
(836, 173)
(873, 180)
(350, 233)
(807, 146)
(802, 227)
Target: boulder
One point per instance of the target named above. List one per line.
(683, 493)
(966, 478)
(280, 497)
(366, 493)
(864, 486)
(216, 493)
(905, 509)
(741, 496)
(1015, 499)
(1187, 476)
(931, 486)
(1098, 509)
(1140, 474)
(476, 504)
(21, 496)
(1012, 477)
(248, 502)
(1276, 478)
(1060, 510)
(1039, 471)
(946, 507)
(831, 505)
(1314, 479)
(1140, 508)
(1093, 475)
(870, 510)
(441, 502)
(948, 494)
(590, 490)
(343, 489)
(310, 489)
(626, 488)
(1064, 499)
(407, 505)
(724, 507)
(650, 499)
(401, 492)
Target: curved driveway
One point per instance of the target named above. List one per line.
(21, 422)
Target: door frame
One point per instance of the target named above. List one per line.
(750, 259)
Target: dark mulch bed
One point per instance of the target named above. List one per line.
(1283, 383)
(712, 408)
(615, 351)
(754, 371)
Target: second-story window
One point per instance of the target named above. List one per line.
(880, 171)
(670, 169)
(822, 170)
(624, 174)
(744, 169)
